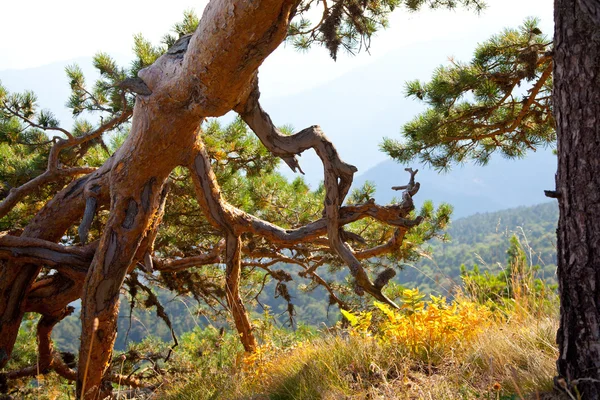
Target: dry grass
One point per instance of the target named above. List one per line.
(512, 358)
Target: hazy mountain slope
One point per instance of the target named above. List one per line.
(471, 189)
(483, 239)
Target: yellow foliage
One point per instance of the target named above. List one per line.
(258, 363)
(428, 330)
(360, 322)
(431, 348)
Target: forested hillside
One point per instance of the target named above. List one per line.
(481, 239)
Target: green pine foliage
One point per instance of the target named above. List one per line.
(23, 152)
(500, 101)
(350, 24)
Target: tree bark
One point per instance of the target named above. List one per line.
(49, 224)
(144, 162)
(46, 354)
(205, 74)
(577, 109)
(208, 77)
(232, 292)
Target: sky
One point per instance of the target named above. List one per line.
(39, 32)
(357, 100)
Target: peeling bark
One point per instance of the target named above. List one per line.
(115, 254)
(91, 204)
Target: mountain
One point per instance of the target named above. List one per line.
(470, 188)
(483, 239)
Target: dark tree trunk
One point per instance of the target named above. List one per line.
(577, 108)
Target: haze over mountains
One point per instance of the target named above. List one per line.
(356, 110)
(472, 189)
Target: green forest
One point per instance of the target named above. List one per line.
(481, 239)
(161, 239)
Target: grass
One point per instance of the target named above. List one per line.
(512, 358)
(495, 340)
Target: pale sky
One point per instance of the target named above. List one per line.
(357, 100)
(39, 32)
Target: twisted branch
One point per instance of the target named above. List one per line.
(338, 179)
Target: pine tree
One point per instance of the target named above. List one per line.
(499, 102)
(123, 191)
(477, 109)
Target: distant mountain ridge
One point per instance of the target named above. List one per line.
(483, 239)
(471, 189)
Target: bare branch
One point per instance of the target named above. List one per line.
(17, 194)
(34, 125)
(212, 257)
(53, 172)
(338, 179)
(70, 260)
(61, 144)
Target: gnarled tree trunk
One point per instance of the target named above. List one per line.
(205, 77)
(577, 108)
(205, 74)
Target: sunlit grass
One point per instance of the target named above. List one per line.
(481, 355)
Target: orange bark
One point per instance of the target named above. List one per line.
(208, 79)
(206, 74)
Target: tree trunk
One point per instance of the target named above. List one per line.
(577, 109)
(221, 215)
(144, 162)
(205, 75)
(232, 292)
